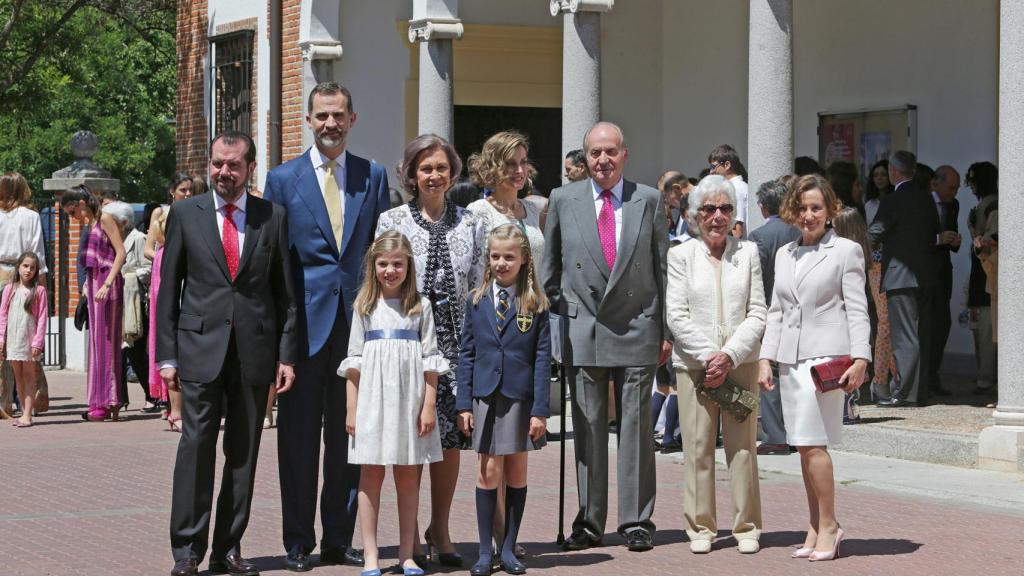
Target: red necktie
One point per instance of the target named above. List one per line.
(606, 228)
(229, 237)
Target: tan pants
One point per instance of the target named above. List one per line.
(699, 418)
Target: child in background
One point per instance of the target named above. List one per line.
(504, 371)
(24, 311)
(392, 369)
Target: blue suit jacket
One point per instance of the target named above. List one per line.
(326, 277)
(517, 364)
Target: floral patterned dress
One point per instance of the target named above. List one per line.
(448, 258)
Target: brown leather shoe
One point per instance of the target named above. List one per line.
(235, 565)
(185, 567)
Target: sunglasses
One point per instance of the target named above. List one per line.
(710, 209)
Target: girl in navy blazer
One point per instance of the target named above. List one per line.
(504, 371)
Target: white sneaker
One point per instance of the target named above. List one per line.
(700, 546)
(748, 546)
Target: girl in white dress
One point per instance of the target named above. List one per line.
(392, 369)
(23, 317)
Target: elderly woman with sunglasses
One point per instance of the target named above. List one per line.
(716, 312)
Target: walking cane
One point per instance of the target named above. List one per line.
(561, 466)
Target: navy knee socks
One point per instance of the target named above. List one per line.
(671, 416)
(486, 501)
(515, 502)
(657, 401)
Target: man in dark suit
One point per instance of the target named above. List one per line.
(604, 272)
(907, 226)
(769, 237)
(333, 199)
(944, 187)
(225, 292)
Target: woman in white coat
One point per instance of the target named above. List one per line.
(819, 312)
(716, 313)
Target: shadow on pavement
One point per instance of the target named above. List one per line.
(878, 546)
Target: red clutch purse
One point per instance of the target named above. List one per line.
(827, 374)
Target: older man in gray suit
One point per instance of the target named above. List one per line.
(604, 272)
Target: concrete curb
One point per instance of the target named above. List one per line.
(949, 448)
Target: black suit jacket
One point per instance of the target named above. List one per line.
(199, 305)
(906, 225)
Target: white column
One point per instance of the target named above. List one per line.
(434, 25)
(770, 97)
(1002, 446)
(581, 66)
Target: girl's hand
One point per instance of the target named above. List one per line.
(428, 419)
(854, 375)
(350, 422)
(764, 375)
(466, 423)
(37, 354)
(538, 427)
(101, 294)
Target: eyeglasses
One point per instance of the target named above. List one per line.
(714, 165)
(710, 209)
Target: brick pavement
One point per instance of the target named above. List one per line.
(93, 498)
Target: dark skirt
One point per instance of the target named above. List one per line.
(502, 426)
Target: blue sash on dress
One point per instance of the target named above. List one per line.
(392, 334)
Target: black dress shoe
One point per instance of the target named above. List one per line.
(298, 562)
(896, 403)
(639, 540)
(235, 565)
(339, 556)
(580, 540)
(672, 446)
(185, 567)
(515, 567)
(481, 569)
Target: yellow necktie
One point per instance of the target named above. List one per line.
(332, 198)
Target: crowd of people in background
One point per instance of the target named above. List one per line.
(657, 298)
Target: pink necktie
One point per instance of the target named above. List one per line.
(229, 237)
(606, 228)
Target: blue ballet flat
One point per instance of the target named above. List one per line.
(412, 571)
(374, 572)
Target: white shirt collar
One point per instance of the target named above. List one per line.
(219, 202)
(736, 178)
(510, 289)
(319, 159)
(935, 196)
(616, 190)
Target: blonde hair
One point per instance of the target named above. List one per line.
(370, 291)
(487, 167)
(531, 298)
(848, 223)
(14, 192)
(789, 211)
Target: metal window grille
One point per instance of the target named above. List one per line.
(232, 81)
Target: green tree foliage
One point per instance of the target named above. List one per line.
(103, 65)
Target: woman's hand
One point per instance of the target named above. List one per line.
(428, 419)
(854, 375)
(764, 375)
(37, 354)
(466, 423)
(101, 294)
(538, 427)
(350, 422)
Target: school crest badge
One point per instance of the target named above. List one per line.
(524, 322)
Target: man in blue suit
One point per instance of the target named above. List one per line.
(333, 199)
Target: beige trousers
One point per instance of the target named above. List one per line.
(699, 419)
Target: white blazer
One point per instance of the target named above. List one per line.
(692, 303)
(823, 309)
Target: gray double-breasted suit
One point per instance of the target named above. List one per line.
(613, 323)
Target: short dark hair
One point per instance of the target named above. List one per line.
(677, 178)
(726, 153)
(234, 136)
(107, 194)
(577, 157)
(842, 175)
(985, 177)
(770, 196)
(804, 165)
(329, 89)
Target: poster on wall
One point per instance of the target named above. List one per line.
(866, 136)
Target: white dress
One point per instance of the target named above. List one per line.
(21, 327)
(812, 418)
(391, 352)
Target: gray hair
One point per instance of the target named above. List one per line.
(122, 212)
(903, 162)
(770, 195)
(709, 186)
(603, 124)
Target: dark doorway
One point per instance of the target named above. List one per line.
(543, 126)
